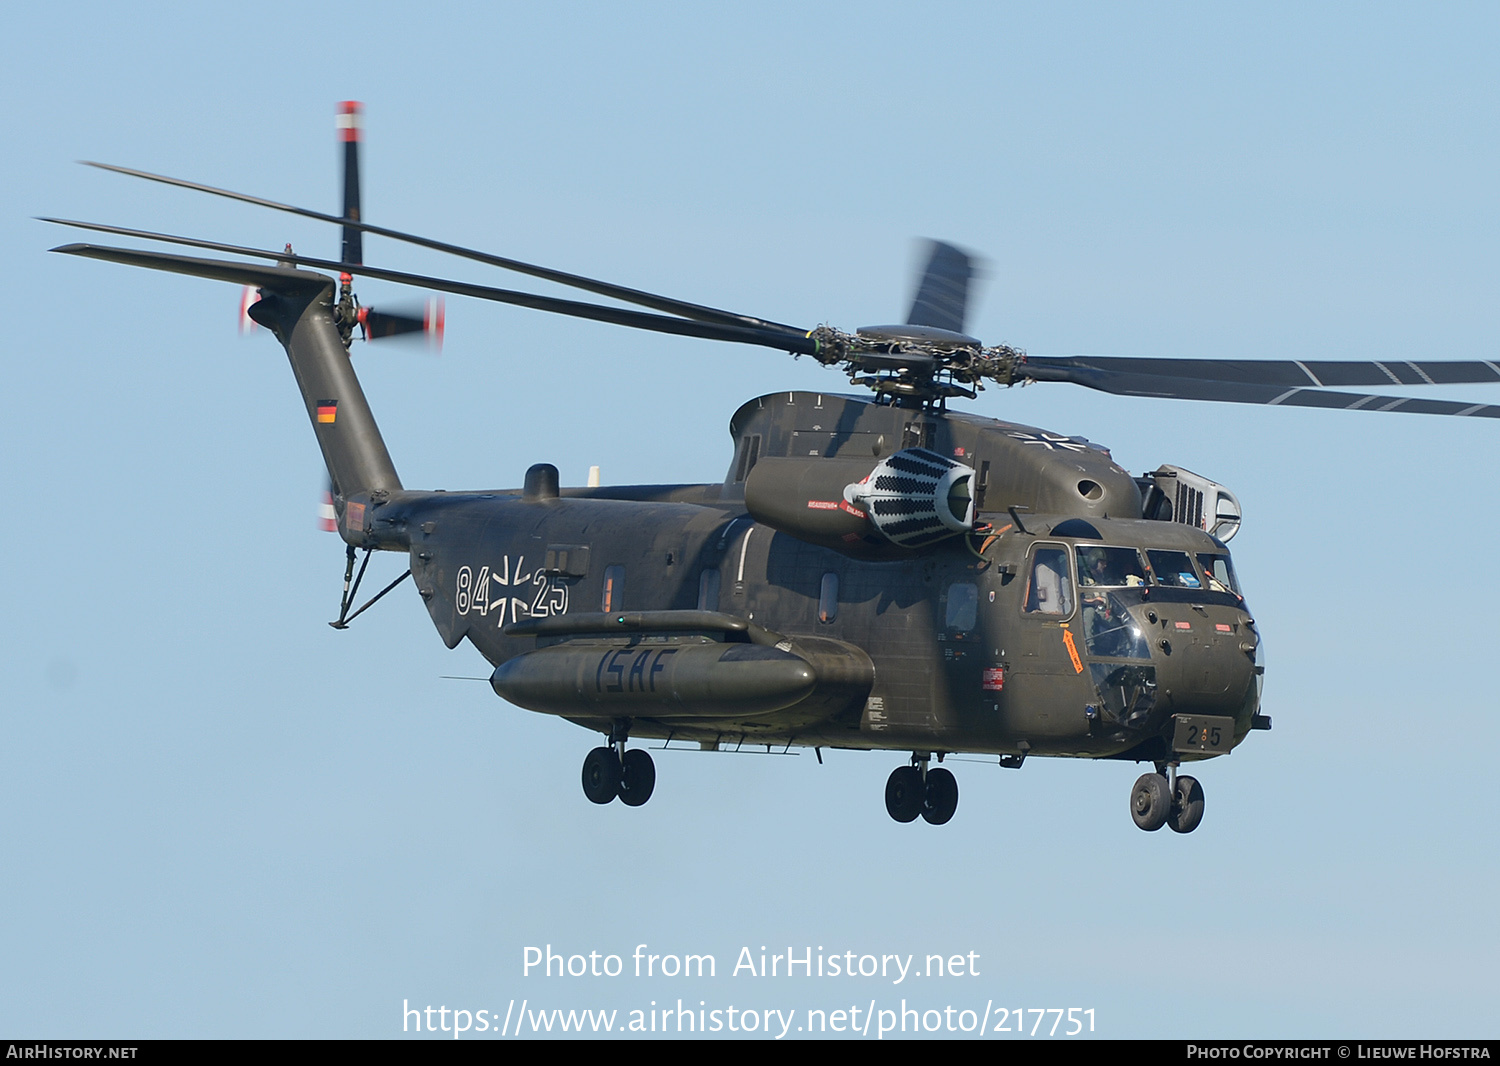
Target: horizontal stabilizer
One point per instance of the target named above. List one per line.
(281, 279)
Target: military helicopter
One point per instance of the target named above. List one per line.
(875, 571)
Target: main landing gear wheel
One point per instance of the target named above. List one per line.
(941, 798)
(1187, 805)
(1151, 802)
(601, 775)
(904, 795)
(637, 777)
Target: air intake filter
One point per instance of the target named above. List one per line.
(916, 496)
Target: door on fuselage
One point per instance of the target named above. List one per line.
(963, 640)
(1046, 689)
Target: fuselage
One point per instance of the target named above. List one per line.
(869, 574)
(1070, 626)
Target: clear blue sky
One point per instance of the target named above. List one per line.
(220, 817)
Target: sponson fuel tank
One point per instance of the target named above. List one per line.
(687, 678)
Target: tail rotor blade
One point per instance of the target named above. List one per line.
(327, 520)
(350, 123)
(434, 321)
(429, 323)
(249, 296)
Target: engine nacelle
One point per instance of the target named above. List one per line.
(909, 500)
(1173, 494)
(916, 497)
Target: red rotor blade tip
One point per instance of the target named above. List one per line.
(327, 521)
(350, 120)
(248, 298)
(433, 322)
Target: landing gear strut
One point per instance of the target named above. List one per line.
(915, 790)
(610, 771)
(1167, 798)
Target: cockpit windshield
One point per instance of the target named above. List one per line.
(1219, 573)
(1110, 567)
(1174, 569)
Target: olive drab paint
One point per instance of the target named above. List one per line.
(875, 572)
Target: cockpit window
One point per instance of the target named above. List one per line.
(1050, 588)
(1174, 569)
(1110, 567)
(1109, 629)
(1219, 573)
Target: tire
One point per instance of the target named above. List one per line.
(904, 794)
(601, 775)
(941, 799)
(1150, 802)
(1187, 805)
(637, 777)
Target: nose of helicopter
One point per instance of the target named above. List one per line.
(1205, 659)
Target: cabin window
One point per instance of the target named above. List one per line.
(614, 589)
(708, 590)
(1050, 588)
(828, 598)
(963, 606)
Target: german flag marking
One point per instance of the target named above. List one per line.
(328, 411)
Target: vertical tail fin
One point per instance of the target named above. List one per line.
(297, 305)
(358, 463)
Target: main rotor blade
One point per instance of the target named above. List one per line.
(942, 297)
(696, 312)
(800, 344)
(1287, 373)
(1188, 388)
(350, 124)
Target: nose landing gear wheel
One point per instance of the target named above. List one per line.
(637, 777)
(1187, 805)
(1151, 802)
(601, 775)
(904, 794)
(941, 798)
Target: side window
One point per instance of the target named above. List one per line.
(1219, 573)
(708, 590)
(828, 598)
(963, 606)
(613, 598)
(1049, 589)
